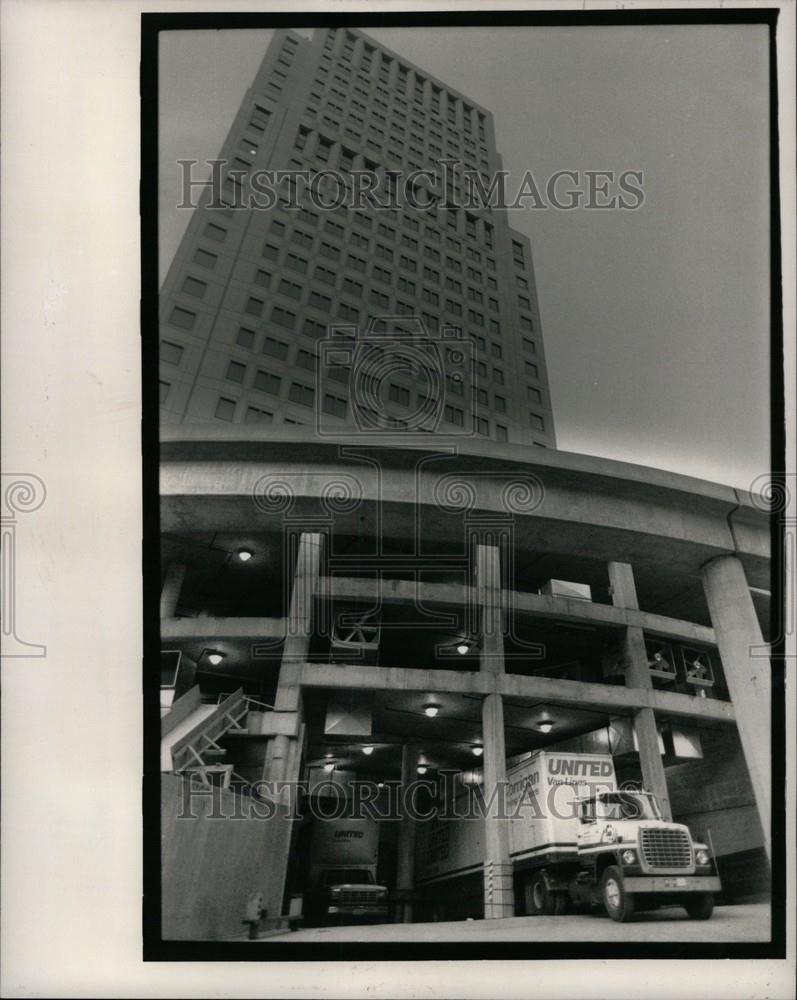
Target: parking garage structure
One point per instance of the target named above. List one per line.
(367, 609)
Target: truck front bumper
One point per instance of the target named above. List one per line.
(671, 883)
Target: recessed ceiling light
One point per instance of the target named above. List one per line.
(422, 769)
(215, 657)
(245, 554)
(368, 750)
(545, 725)
(330, 766)
(463, 648)
(431, 709)
(478, 751)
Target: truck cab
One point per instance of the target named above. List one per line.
(638, 860)
(351, 893)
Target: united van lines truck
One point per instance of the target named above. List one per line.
(575, 838)
(341, 882)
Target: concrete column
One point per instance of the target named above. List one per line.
(172, 585)
(499, 897)
(748, 678)
(294, 653)
(392, 74)
(405, 875)
(310, 146)
(637, 674)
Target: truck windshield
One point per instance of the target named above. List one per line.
(353, 876)
(627, 805)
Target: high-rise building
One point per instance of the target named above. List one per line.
(259, 300)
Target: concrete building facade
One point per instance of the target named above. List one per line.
(323, 585)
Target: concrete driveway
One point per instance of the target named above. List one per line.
(747, 922)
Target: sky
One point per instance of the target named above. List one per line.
(655, 321)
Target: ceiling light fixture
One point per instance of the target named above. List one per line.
(545, 725)
(478, 751)
(368, 750)
(245, 554)
(330, 766)
(422, 769)
(463, 648)
(215, 657)
(431, 709)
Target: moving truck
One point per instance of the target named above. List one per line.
(342, 886)
(574, 838)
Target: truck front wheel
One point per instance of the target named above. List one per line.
(618, 903)
(700, 906)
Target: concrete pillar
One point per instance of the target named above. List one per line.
(294, 653)
(405, 874)
(637, 674)
(748, 678)
(357, 54)
(172, 585)
(499, 897)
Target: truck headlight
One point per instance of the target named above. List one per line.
(629, 857)
(702, 857)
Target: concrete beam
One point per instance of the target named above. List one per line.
(423, 594)
(580, 694)
(223, 628)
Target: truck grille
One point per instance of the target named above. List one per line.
(666, 849)
(356, 897)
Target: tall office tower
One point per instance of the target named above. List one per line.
(416, 317)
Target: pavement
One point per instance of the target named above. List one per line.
(742, 923)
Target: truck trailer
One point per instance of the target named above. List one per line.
(575, 840)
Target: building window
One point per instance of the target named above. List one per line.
(171, 353)
(245, 338)
(319, 301)
(324, 274)
(266, 382)
(531, 370)
(501, 432)
(352, 287)
(453, 415)
(482, 426)
(214, 232)
(537, 422)
(500, 404)
(195, 287)
(496, 350)
(262, 278)
(270, 252)
(314, 329)
(304, 359)
(290, 289)
(347, 312)
(225, 409)
(182, 318)
(498, 376)
(302, 394)
(529, 345)
(327, 250)
(254, 306)
(534, 395)
(296, 263)
(205, 259)
(235, 372)
(282, 317)
(334, 405)
(275, 348)
(356, 263)
(163, 391)
(526, 324)
(398, 394)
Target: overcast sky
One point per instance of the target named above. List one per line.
(655, 321)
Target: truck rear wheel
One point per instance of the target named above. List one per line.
(700, 906)
(541, 901)
(618, 903)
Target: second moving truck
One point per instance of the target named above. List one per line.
(574, 839)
